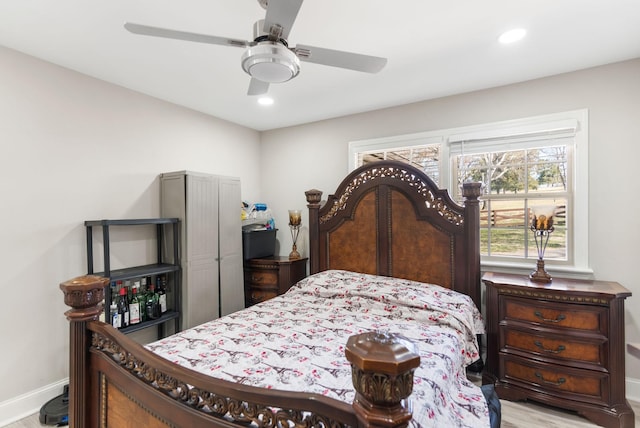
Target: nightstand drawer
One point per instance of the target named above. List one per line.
(271, 276)
(264, 277)
(556, 315)
(583, 385)
(260, 295)
(553, 346)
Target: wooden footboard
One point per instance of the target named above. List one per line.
(114, 381)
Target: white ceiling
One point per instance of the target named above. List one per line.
(434, 48)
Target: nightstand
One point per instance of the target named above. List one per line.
(268, 277)
(560, 343)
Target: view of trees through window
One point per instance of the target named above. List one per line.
(516, 183)
(424, 157)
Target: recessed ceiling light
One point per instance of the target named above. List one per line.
(512, 36)
(265, 101)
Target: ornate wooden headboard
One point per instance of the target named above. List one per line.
(389, 218)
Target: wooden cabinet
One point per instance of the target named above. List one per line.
(268, 277)
(560, 343)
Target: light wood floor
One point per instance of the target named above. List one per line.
(514, 415)
(531, 415)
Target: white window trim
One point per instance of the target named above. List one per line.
(574, 122)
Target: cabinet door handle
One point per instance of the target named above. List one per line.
(552, 351)
(559, 318)
(560, 380)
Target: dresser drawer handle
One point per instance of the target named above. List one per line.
(558, 318)
(552, 351)
(560, 381)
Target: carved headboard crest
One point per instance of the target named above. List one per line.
(396, 172)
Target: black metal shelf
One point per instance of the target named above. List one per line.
(161, 267)
(131, 222)
(167, 316)
(139, 271)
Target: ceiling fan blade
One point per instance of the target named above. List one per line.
(334, 58)
(147, 30)
(282, 13)
(257, 87)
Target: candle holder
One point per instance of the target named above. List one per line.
(542, 227)
(295, 220)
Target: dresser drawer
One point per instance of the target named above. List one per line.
(264, 277)
(556, 315)
(258, 295)
(567, 349)
(271, 276)
(580, 385)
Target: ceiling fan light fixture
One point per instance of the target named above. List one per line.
(270, 62)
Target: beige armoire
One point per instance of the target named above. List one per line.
(208, 207)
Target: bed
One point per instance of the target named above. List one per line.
(368, 339)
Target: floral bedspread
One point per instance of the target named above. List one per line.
(296, 342)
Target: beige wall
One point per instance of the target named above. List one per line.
(315, 156)
(74, 149)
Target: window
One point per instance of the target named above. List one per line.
(424, 156)
(523, 164)
(516, 182)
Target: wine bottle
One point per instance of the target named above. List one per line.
(142, 299)
(156, 305)
(152, 303)
(162, 294)
(127, 286)
(115, 316)
(134, 306)
(118, 287)
(123, 308)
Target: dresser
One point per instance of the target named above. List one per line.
(265, 278)
(560, 343)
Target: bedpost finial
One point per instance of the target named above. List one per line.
(85, 295)
(382, 366)
(313, 196)
(471, 190)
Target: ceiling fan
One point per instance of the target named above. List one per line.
(268, 58)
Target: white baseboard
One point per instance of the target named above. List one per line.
(27, 404)
(633, 389)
